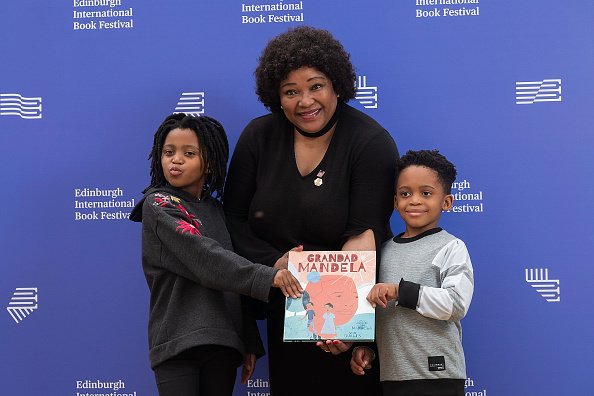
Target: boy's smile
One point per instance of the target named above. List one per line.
(420, 199)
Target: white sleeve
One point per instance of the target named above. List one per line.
(452, 299)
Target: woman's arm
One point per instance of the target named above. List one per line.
(363, 241)
(371, 198)
(240, 188)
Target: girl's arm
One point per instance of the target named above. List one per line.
(185, 252)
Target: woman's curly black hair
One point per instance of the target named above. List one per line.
(298, 47)
(432, 159)
(214, 149)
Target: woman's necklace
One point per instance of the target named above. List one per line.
(324, 130)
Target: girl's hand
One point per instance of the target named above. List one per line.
(288, 284)
(283, 279)
(249, 365)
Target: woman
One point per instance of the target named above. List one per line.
(315, 172)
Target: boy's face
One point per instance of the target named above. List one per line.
(182, 162)
(419, 199)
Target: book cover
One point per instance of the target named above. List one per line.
(334, 303)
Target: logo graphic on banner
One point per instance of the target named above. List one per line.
(529, 92)
(191, 103)
(22, 303)
(549, 289)
(102, 14)
(15, 104)
(466, 200)
(365, 94)
(276, 13)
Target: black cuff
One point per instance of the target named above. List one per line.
(408, 294)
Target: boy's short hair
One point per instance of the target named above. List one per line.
(432, 159)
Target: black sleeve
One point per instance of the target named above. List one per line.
(239, 190)
(408, 294)
(372, 188)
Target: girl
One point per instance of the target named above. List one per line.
(198, 335)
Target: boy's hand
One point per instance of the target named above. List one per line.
(381, 293)
(361, 360)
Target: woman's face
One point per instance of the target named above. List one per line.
(308, 99)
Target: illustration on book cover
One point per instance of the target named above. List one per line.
(334, 304)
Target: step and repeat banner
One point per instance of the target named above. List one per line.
(503, 88)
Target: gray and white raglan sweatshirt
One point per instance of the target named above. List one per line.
(419, 337)
(194, 277)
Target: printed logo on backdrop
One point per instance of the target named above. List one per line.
(365, 94)
(466, 200)
(96, 204)
(548, 288)
(22, 303)
(274, 12)
(191, 103)
(446, 8)
(16, 105)
(469, 383)
(262, 387)
(102, 15)
(106, 388)
(529, 92)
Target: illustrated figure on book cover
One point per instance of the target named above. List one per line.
(310, 314)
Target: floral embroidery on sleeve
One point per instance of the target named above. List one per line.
(190, 224)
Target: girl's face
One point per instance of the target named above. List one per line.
(182, 162)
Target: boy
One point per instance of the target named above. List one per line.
(310, 314)
(426, 287)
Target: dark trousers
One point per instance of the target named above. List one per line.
(207, 370)
(301, 368)
(435, 387)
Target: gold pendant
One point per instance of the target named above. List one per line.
(318, 182)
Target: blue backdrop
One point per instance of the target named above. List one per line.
(503, 88)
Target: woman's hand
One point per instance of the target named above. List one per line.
(335, 347)
(283, 261)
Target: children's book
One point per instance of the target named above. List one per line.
(334, 302)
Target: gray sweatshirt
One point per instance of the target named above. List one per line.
(194, 277)
(419, 337)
